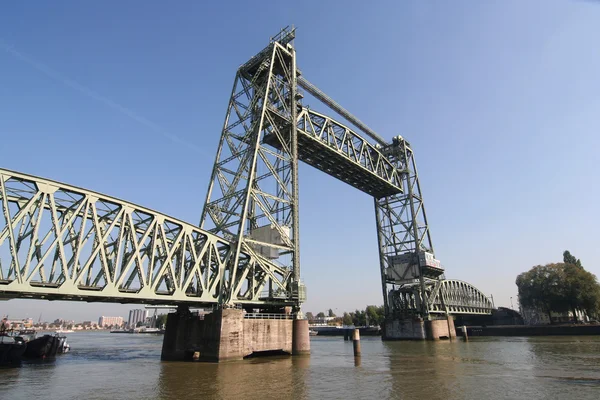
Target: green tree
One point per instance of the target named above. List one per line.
(581, 290)
(330, 313)
(359, 318)
(310, 316)
(347, 319)
(375, 315)
(560, 287)
(591, 303)
(321, 315)
(161, 320)
(568, 258)
(540, 288)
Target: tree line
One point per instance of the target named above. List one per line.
(370, 316)
(560, 287)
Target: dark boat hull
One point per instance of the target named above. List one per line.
(11, 354)
(42, 347)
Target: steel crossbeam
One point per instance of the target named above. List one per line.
(337, 150)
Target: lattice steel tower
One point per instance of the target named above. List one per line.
(252, 199)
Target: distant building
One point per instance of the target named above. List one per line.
(110, 321)
(135, 316)
(24, 323)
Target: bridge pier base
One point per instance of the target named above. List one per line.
(442, 328)
(227, 335)
(216, 337)
(418, 329)
(301, 339)
(404, 329)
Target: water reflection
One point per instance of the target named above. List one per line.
(281, 377)
(567, 358)
(421, 369)
(105, 366)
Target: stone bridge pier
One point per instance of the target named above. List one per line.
(229, 334)
(419, 329)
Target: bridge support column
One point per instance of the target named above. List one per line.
(417, 329)
(225, 335)
(396, 328)
(437, 329)
(451, 328)
(300, 338)
(217, 337)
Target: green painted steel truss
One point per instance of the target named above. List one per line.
(62, 242)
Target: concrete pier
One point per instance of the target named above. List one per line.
(418, 329)
(404, 329)
(301, 341)
(226, 335)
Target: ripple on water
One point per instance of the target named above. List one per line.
(103, 366)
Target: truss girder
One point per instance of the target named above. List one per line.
(62, 242)
(459, 297)
(443, 297)
(336, 150)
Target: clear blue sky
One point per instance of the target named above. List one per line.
(500, 100)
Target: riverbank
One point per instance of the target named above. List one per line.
(339, 331)
(494, 330)
(532, 330)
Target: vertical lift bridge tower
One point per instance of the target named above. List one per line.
(253, 196)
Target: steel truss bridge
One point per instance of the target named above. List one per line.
(66, 243)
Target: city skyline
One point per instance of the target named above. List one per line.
(502, 122)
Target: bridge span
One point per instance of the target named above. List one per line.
(60, 242)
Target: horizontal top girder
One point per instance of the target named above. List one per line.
(335, 149)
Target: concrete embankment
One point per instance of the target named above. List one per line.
(533, 330)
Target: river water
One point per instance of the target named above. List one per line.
(121, 366)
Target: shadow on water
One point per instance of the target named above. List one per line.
(280, 377)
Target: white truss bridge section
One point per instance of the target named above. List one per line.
(60, 242)
(459, 297)
(445, 296)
